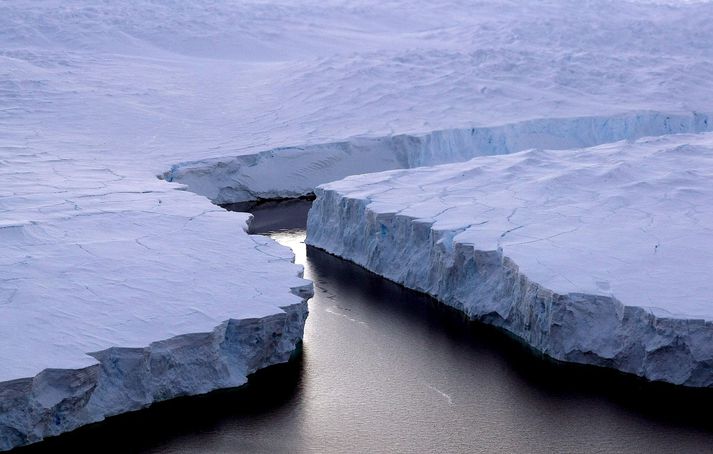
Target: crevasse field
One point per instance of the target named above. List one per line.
(121, 284)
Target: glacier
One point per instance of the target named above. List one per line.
(109, 275)
(222, 96)
(455, 80)
(596, 256)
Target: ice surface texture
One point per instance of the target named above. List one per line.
(163, 82)
(101, 264)
(597, 256)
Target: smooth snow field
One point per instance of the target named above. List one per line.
(120, 122)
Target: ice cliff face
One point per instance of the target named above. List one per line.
(127, 379)
(596, 256)
(296, 171)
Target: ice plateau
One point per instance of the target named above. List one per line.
(267, 99)
(596, 256)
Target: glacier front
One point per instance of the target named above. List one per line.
(596, 256)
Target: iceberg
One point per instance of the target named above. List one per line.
(597, 256)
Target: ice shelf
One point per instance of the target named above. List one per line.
(117, 292)
(254, 100)
(107, 274)
(598, 256)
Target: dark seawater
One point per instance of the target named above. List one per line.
(384, 369)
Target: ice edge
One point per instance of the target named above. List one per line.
(289, 172)
(489, 287)
(127, 379)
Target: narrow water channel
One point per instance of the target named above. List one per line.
(384, 369)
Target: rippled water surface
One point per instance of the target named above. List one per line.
(384, 369)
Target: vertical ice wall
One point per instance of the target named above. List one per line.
(597, 256)
(296, 171)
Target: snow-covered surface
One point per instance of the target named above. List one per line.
(88, 266)
(118, 291)
(260, 99)
(161, 83)
(600, 255)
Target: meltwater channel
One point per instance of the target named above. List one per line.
(385, 369)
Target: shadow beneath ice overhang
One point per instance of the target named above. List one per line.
(141, 431)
